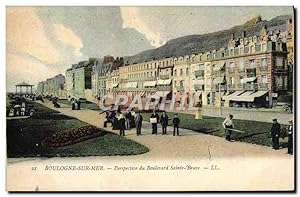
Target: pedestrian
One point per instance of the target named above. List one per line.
(78, 104)
(275, 132)
(176, 122)
(290, 137)
(228, 125)
(127, 119)
(164, 120)
(154, 119)
(122, 124)
(138, 123)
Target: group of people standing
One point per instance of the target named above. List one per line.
(75, 104)
(164, 121)
(125, 122)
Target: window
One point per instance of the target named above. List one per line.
(182, 83)
(231, 52)
(187, 71)
(181, 72)
(175, 72)
(264, 47)
(279, 62)
(241, 79)
(231, 80)
(263, 63)
(167, 63)
(264, 79)
(201, 66)
(241, 65)
(252, 49)
(223, 54)
(231, 67)
(252, 64)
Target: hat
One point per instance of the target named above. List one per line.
(274, 119)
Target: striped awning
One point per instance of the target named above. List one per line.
(219, 66)
(248, 80)
(236, 93)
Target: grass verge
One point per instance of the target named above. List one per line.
(24, 137)
(255, 132)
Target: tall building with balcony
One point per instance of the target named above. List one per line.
(53, 86)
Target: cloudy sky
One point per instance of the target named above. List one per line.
(44, 41)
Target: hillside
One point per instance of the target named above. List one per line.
(205, 42)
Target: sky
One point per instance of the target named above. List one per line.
(42, 42)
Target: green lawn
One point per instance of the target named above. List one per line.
(24, 137)
(87, 105)
(255, 132)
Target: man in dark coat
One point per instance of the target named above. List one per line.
(78, 104)
(138, 123)
(154, 124)
(290, 137)
(275, 133)
(164, 119)
(176, 122)
(122, 124)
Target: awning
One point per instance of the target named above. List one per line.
(167, 81)
(219, 66)
(150, 83)
(160, 82)
(142, 93)
(256, 95)
(248, 80)
(134, 84)
(115, 85)
(236, 93)
(161, 93)
(243, 97)
(219, 79)
(164, 82)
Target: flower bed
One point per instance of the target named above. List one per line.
(72, 136)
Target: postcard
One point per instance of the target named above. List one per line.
(150, 98)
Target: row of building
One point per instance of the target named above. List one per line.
(249, 71)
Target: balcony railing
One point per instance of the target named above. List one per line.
(139, 79)
(163, 77)
(241, 70)
(199, 73)
(199, 87)
(250, 86)
(164, 88)
(263, 85)
(180, 88)
(221, 87)
(263, 68)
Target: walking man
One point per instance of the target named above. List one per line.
(176, 122)
(290, 137)
(138, 123)
(275, 132)
(164, 120)
(228, 125)
(154, 118)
